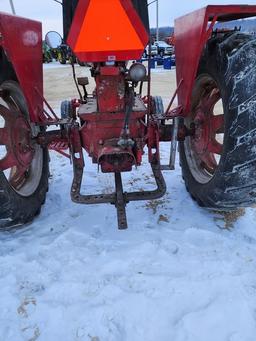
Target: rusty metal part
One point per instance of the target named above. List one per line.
(207, 126)
(129, 104)
(119, 198)
(101, 128)
(167, 132)
(174, 143)
(113, 158)
(16, 137)
(46, 138)
(173, 148)
(120, 203)
(56, 140)
(110, 90)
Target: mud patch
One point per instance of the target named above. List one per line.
(229, 218)
(163, 218)
(154, 205)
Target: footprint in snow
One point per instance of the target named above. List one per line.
(31, 332)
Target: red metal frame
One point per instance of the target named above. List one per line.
(102, 119)
(191, 34)
(102, 56)
(115, 123)
(21, 40)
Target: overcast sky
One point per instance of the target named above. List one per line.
(49, 12)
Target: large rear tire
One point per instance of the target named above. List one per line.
(21, 192)
(219, 160)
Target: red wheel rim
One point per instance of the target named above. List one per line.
(20, 157)
(205, 146)
(15, 137)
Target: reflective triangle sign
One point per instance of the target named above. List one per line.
(107, 30)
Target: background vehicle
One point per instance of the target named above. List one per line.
(163, 48)
(59, 50)
(47, 56)
(154, 51)
(62, 53)
(214, 120)
(65, 54)
(170, 40)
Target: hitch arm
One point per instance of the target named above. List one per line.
(119, 198)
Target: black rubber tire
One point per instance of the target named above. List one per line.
(230, 62)
(15, 209)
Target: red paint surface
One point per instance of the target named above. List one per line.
(191, 37)
(22, 42)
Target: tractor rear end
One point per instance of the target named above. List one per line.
(214, 121)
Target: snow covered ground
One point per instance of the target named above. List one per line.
(179, 273)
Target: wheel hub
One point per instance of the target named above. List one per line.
(21, 137)
(206, 126)
(202, 133)
(16, 137)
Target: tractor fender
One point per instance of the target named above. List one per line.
(192, 32)
(21, 59)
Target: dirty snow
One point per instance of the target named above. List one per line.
(179, 273)
(176, 274)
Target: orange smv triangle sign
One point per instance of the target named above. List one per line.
(107, 29)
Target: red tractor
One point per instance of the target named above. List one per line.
(214, 121)
(170, 40)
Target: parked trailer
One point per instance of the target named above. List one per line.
(214, 121)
